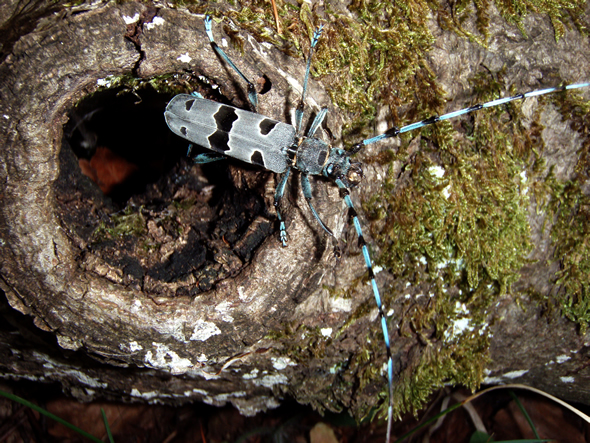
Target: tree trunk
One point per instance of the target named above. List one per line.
(174, 287)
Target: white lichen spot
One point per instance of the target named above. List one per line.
(185, 58)
(84, 379)
(156, 21)
(165, 358)
(423, 260)
(129, 20)
(224, 309)
(515, 374)
(202, 358)
(502, 379)
(204, 330)
(200, 391)
(253, 406)
(458, 327)
(280, 363)
(492, 381)
(374, 314)
(6, 116)
(340, 304)
(22, 377)
(219, 399)
(568, 379)
(446, 192)
(63, 369)
(144, 395)
(408, 284)
(224, 43)
(562, 358)
(437, 171)
(377, 269)
(106, 82)
(103, 82)
(326, 332)
(407, 296)
(461, 308)
(268, 381)
(252, 375)
(390, 312)
(134, 346)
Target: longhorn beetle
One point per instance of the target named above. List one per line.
(279, 147)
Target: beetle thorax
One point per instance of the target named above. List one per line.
(312, 155)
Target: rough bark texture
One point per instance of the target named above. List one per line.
(132, 324)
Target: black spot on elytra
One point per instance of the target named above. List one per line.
(225, 118)
(189, 104)
(183, 130)
(266, 126)
(257, 159)
(219, 141)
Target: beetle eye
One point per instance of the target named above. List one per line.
(354, 174)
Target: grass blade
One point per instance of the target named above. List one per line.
(106, 425)
(40, 410)
(524, 412)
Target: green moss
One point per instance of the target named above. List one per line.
(458, 228)
(163, 84)
(127, 223)
(571, 229)
(562, 15)
(572, 236)
(461, 363)
(465, 212)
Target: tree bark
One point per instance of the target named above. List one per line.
(198, 301)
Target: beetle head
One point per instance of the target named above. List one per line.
(339, 167)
